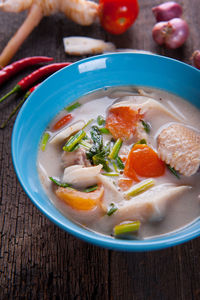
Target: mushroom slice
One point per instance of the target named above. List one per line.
(150, 205)
(179, 147)
(111, 194)
(66, 132)
(80, 176)
(77, 45)
(147, 106)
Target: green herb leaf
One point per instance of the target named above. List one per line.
(98, 142)
(100, 120)
(100, 159)
(73, 106)
(104, 130)
(147, 126)
(173, 171)
(142, 141)
(120, 163)
(112, 209)
(91, 188)
(58, 183)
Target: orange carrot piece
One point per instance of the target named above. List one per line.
(144, 161)
(80, 200)
(122, 121)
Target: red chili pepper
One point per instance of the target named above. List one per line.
(63, 121)
(21, 64)
(34, 77)
(3, 125)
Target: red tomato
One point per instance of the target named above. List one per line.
(116, 16)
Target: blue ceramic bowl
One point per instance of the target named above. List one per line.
(77, 80)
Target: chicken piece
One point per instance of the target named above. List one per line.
(83, 12)
(179, 147)
(66, 132)
(76, 157)
(77, 45)
(150, 205)
(80, 176)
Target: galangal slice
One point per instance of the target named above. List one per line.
(179, 147)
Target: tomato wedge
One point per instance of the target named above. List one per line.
(116, 16)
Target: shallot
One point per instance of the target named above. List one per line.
(172, 34)
(167, 11)
(196, 59)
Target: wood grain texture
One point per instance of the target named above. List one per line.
(39, 260)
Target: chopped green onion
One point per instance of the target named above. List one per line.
(91, 189)
(120, 163)
(44, 141)
(74, 140)
(115, 150)
(112, 209)
(115, 167)
(98, 159)
(104, 130)
(127, 228)
(147, 126)
(85, 144)
(173, 171)
(73, 106)
(100, 120)
(59, 183)
(88, 123)
(140, 188)
(110, 174)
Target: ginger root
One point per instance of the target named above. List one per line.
(83, 12)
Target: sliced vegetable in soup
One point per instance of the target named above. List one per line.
(124, 162)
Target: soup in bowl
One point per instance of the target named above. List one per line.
(111, 150)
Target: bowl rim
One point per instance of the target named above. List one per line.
(99, 239)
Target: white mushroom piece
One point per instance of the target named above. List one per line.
(66, 132)
(179, 146)
(83, 12)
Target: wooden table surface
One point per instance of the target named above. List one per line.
(38, 260)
